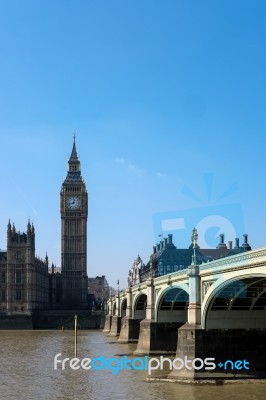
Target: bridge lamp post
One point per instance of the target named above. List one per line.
(194, 308)
(194, 239)
(118, 300)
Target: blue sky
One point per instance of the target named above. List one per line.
(168, 101)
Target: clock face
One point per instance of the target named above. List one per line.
(73, 203)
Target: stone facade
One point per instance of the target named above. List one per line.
(24, 279)
(134, 272)
(98, 291)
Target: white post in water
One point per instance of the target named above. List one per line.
(76, 336)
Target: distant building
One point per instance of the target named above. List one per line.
(24, 279)
(134, 274)
(167, 258)
(98, 292)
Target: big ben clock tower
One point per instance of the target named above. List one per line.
(74, 213)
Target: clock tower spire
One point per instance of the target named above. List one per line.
(74, 213)
(73, 162)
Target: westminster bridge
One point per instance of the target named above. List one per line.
(215, 309)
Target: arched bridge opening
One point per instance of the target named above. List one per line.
(171, 314)
(123, 307)
(235, 322)
(173, 306)
(239, 305)
(140, 307)
(139, 313)
(114, 308)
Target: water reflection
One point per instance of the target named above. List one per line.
(26, 372)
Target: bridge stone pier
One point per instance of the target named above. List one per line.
(116, 317)
(129, 326)
(213, 310)
(108, 317)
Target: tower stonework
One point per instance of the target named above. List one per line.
(24, 280)
(74, 214)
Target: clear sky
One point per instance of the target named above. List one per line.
(168, 101)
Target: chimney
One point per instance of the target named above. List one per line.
(165, 242)
(162, 244)
(154, 249)
(221, 244)
(170, 238)
(230, 244)
(236, 243)
(158, 246)
(245, 245)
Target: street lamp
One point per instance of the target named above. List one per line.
(194, 239)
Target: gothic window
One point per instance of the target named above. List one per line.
(18, 277)
(18, 295)
(18, 255)
(168, 268)
(3, 277)
(3, 297)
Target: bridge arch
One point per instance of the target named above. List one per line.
(114, 308)
(236, 303)
(139, 306)
(123, 307)
(171, 303)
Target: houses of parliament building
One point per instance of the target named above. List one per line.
(27, 283)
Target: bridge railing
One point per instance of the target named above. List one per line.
(171, 276)
(242, 258)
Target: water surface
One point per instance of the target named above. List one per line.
(27, 372)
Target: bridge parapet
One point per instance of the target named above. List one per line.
(248, 257)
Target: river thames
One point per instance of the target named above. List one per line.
(27, 372)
